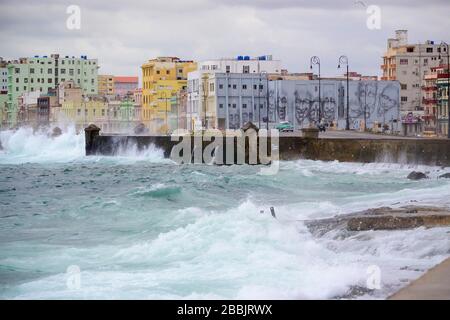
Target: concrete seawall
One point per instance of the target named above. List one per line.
(405, 151)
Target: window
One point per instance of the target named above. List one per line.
(17, 80)
(228, 69)
(234, 105)
(404, 87)
(255, 86)
(261, 106)
(246, 69)
(50, 71)
(410, 49)
(63, 71)
(404, 99)
(403, 61)
(244, 106)
(168, 72)
(244, 87)
(79, 112)
(261, 87)
(158, 72)
(220, 86)
(32, 70)
(25, 80)
(429, 50)
(49, 80)
(234, 86)
(221, 105)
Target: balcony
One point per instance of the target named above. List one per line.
(429, 101)
(429, 88)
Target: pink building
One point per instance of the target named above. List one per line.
(125, 85)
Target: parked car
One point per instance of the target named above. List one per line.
(285, 126)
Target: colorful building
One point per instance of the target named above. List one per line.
(124, 86)
(443, 101)
(430, 102)
(106, 85)
(45, 73)
(162, 78)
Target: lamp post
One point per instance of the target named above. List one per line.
(316, 61)
(344, 60)
(445, 45)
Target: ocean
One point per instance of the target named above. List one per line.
(138, 226)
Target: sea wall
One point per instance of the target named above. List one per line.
(405, 151)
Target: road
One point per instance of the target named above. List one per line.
(332, 134)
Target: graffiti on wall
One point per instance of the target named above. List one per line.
(374, 101)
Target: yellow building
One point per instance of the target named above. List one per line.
(162, 78)
(105, 85)
(84, 113)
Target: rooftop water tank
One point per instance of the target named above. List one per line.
(247, 58)
(240, 58)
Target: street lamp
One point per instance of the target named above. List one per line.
(442, 45)
(344, 60)
(316, 61)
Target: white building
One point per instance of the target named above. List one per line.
(199, 85)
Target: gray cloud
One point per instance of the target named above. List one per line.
(123, 35)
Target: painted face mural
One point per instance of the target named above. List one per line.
(366, 94)
(282, 109)
(329, 109)
(388, 100)
(302, 107)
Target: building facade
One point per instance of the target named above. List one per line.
(430, 102)
(408, 64)
(162, 78)
(443, 101)
(45, 73)
(124, 86)
(106, 85)
(202, 87)
(231, 100)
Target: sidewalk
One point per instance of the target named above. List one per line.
(433, 285)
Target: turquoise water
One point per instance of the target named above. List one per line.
(140, 226)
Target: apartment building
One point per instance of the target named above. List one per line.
(162, 78)
(3, 91)
(409, 64)
(443, 101)
(124, 86)
(200, 84)
(45, 73)
(106, 85)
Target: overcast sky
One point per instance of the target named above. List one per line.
(124, 34)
